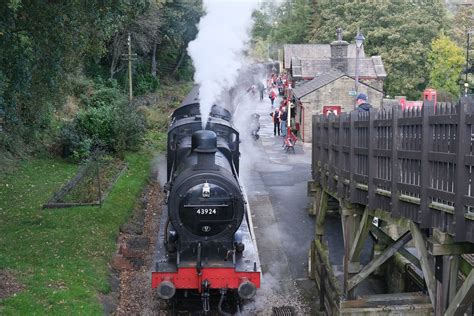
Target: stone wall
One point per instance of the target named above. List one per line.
(337, 93)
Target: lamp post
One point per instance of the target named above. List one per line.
(467, 52)
(468, 69)
(359, 40)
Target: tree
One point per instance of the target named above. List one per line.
(446, 62)
(144, 30)
(180, 19)
(41, 42)
(292, 22)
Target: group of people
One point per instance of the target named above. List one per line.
(280, 117)
(276, 86)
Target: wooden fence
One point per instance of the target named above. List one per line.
(416, 164)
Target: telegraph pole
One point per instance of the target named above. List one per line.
(130, 68)
(129, 57)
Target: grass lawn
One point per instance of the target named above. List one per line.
(61, 255)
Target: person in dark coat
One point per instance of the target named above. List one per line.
(261, 89)
(283, 120)
(362, 103)
(276, 121)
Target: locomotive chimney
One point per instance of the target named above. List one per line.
(204, 143)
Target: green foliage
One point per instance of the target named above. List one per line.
(446, 60)
(180, 19)
(144, 82)
(61, 256)
(106, 121)
(292, 22)
(41, 42)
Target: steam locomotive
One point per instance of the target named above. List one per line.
(205, 245)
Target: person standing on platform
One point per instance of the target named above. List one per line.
(284, 120)
(261, 89)
(276, 121)
(272, 96)
(362, 103)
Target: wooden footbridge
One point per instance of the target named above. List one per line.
(412, 171)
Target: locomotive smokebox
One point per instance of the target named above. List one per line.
(204, 143)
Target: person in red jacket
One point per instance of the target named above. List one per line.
(272, 95)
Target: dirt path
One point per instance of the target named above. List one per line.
(131, 266)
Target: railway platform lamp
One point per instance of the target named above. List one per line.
(359, 40)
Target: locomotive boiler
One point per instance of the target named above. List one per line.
(205, 245)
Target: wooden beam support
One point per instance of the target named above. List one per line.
(463, 298)
(453, 277)
(459, 248)
(386, 239)
(360, 237)
(376, 262)
(426, 264)
(321, 214)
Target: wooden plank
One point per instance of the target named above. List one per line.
(360, 237)
(409, 154)
(426, 264)
(437, 249)
(398, 303)
(463, 298)
(443, 157)
(376, 262)
(386, 239)
(321, 214)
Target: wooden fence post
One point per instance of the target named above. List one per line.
(395, 177)
(461, 184)
(352, 166)
(371, 160)
(426, 147)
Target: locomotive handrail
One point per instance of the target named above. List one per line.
(416, 164)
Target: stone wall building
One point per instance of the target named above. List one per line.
(324, 75)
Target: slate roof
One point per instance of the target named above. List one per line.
(320, 81)
(309, 60)
(309, 68)
(313, 51)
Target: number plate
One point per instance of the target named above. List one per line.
(206, 211)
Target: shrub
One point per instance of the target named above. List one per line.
(145, 83)
(105, 122)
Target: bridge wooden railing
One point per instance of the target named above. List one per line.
(416, 164)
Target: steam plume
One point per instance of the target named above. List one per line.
(217, 52)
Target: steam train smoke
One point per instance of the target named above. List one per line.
(217, 52)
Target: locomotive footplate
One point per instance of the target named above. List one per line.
(240, 271)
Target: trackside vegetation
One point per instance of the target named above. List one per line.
(61, 256)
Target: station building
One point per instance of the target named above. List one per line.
(324, 76)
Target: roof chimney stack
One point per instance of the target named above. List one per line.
(339, 52)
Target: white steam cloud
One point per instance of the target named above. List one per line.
(217, 52)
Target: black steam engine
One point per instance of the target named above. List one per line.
(205, 243)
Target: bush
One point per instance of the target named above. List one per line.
(106, 122)
(145, 83)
